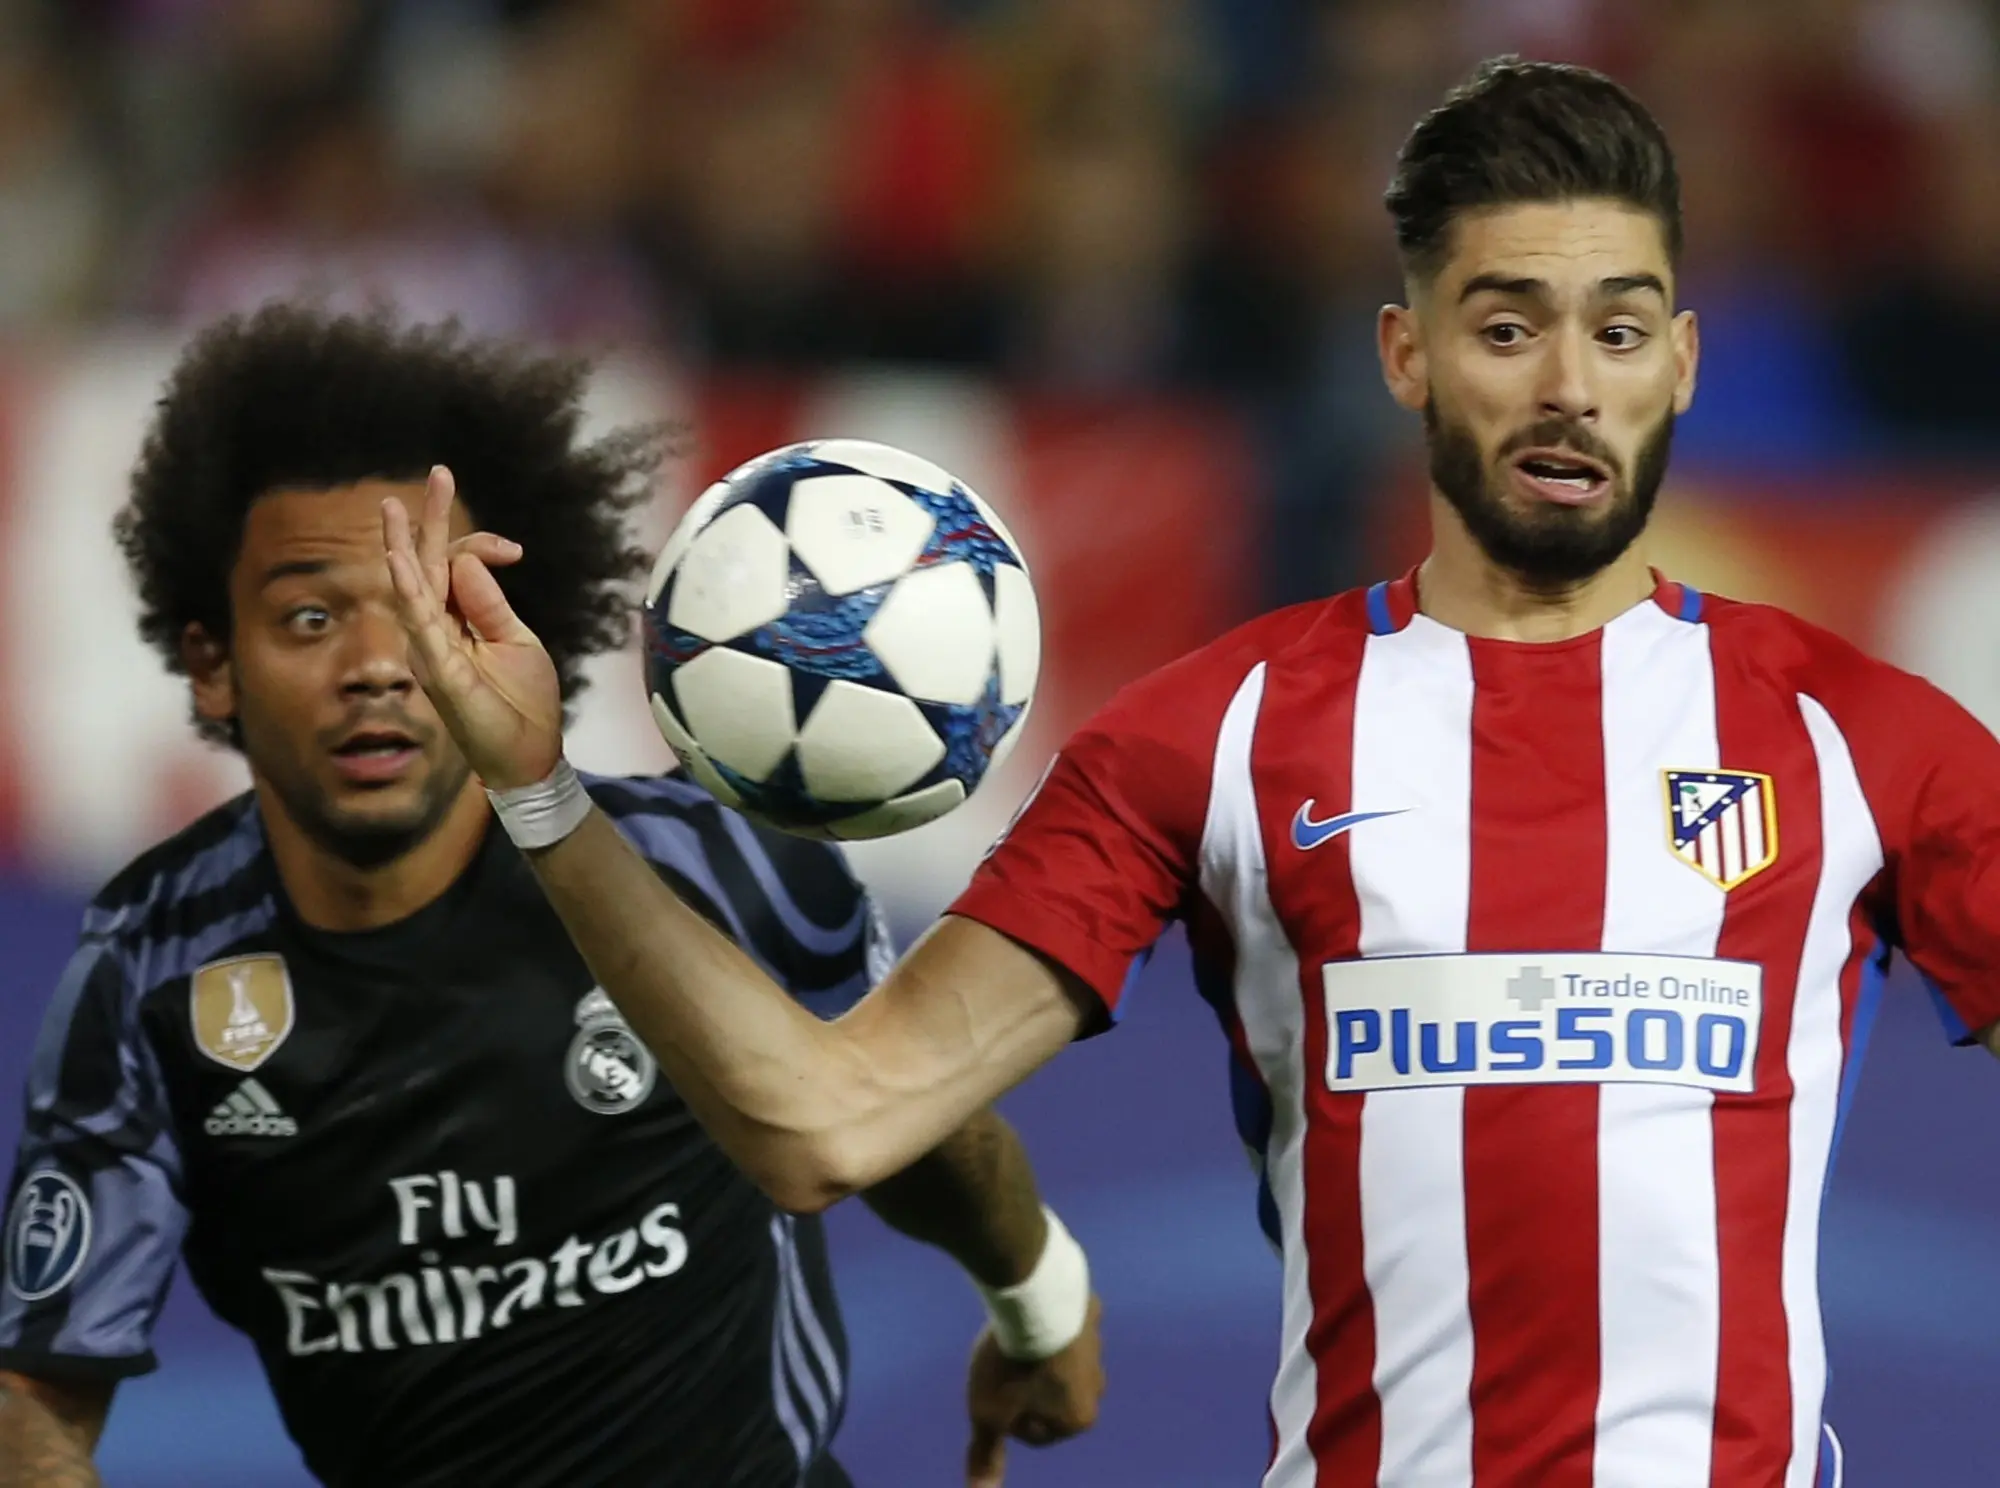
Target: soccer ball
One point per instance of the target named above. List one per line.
(841, 640)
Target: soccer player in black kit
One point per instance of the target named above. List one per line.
(331, 1044)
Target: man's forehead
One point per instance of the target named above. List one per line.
(332, 521)
(1571, 247)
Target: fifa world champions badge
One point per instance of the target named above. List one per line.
(241, 1009)
(1722, 823)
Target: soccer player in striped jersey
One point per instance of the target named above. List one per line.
(332, 1045)
(1544, 900)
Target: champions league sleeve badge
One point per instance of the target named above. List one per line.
(48, 1236)
(608, 1069)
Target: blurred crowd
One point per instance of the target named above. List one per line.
(1091, 196)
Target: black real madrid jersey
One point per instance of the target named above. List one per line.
(474, 1236)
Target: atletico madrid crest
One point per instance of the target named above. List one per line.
(1722, 823)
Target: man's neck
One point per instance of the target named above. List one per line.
(331, 894)
(1459, 586)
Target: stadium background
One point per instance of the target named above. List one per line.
(1114, 262)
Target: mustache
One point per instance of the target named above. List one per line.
(378, 719)
(1566, 433)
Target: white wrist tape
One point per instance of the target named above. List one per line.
(1045, 1314)
(542, 814)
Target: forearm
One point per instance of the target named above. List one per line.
(812, 1111)
(38, 1448)
(973, 1197)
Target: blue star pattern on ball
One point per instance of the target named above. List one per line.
(783, 800)
(767, 483)
(761, 596)
(970, 734)
(821, 632)
(668, 648)
(962, 535)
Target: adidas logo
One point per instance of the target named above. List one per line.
(249, 1112)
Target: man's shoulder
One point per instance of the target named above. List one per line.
(206, 872)
(1803, 657)
(676, 824)
(793, 902)
(1195, 688)
(670, 796)
(1279, 634)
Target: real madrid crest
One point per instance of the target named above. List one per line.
(608, 1070)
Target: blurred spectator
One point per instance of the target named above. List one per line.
(1921, 338)
(53, 193)
(1091, 196)
(1771, 389)
(324, 201)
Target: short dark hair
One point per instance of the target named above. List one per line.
(1519, 131)
(294, 397)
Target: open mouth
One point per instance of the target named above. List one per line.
(1562, 476)
(374, 755)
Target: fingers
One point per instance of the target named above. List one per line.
(396, 529)
(986, 1457)
(489, 548)
(434, 527)
(477, 594)
(1043, 1429)
(416, 600)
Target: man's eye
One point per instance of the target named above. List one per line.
(307, 620)
(1505, 333)
(1623, 337)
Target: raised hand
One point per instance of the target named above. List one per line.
(487, 675)
(1038, 1403)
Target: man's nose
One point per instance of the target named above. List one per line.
(1567, 388)
(378, 654)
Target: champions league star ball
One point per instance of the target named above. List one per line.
(841, 640)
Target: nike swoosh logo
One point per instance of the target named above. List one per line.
(1308, 834)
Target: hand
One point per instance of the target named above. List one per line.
(491, 681)
(1047, 1401)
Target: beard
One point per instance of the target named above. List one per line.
(1548, 546)
(363, 839)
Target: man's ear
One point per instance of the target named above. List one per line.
(1399, 340)
(210, 677)
(1687, 358)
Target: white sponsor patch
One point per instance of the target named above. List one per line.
(1566, 1018)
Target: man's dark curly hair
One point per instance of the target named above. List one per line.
(291, 396)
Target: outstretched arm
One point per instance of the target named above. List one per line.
(48, 1432)
(812, 1111)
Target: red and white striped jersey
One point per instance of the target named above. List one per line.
(1547, 969)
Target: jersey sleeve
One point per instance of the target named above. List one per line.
(1106, 852)
(94, 1212)
(793, 904)
(1943, 847)
(809, 917)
